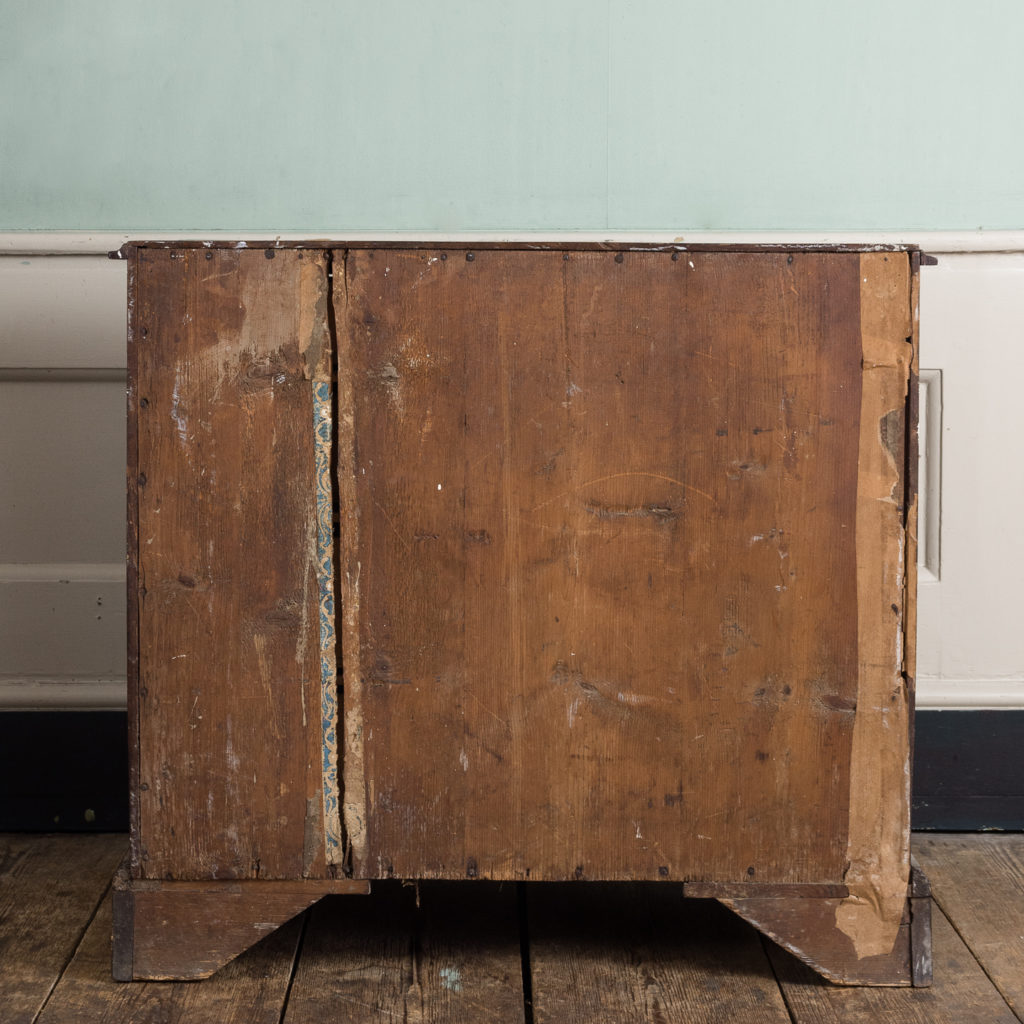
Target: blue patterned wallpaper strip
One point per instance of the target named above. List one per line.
(325, 577)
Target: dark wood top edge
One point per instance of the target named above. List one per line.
(270, 886)
(481, 246)
(764, 890)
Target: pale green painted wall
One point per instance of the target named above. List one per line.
(525, 115)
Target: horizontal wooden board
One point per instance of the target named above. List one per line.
(128, 249)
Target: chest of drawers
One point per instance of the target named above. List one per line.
(527, 563)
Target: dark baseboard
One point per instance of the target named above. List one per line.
(67, 771)
(968, 771)
(63, 771)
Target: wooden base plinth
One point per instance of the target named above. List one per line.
(187, 930)
(808, 927)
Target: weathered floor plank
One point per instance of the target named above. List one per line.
(49, 888)
(609, 954)
(597, 953)
(251, 989)
(454, 958)
(978, 881)
(959, 994)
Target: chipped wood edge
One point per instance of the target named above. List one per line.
(807, 928)
(911, 504)
(353, 773)
(879, 825)
(868, 937)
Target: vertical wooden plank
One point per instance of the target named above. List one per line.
(879, 837)
(605, 954)
(440, 953)
(866, 935)
(230, 347)
(49, 888)
(598, 526)
(709, 460)
(132, 567)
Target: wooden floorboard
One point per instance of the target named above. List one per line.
(453, 958)
(978, 880)
(50, 887)
(605, 954)
(594, 953)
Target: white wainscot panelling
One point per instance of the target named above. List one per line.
(62, 457)
(62, 477)
(62, 630)
(929, 505)
(62, 311)
(970, 637)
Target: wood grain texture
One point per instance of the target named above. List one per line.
(866, 937)
(132, 638)
(49, 889)
(808, 929)
(188, 930)
(748, 890)
(960, 994)
(605, 954)
(599, 566)
(979, 884)
(648, 955)
(250, 990)
(879, 806)
(226, 347)
(454, 958)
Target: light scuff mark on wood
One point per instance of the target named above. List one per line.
(314, 320)
(657, 512)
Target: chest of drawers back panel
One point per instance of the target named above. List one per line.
(623, 571)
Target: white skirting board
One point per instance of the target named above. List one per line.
(62, 348)
(970, 694)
